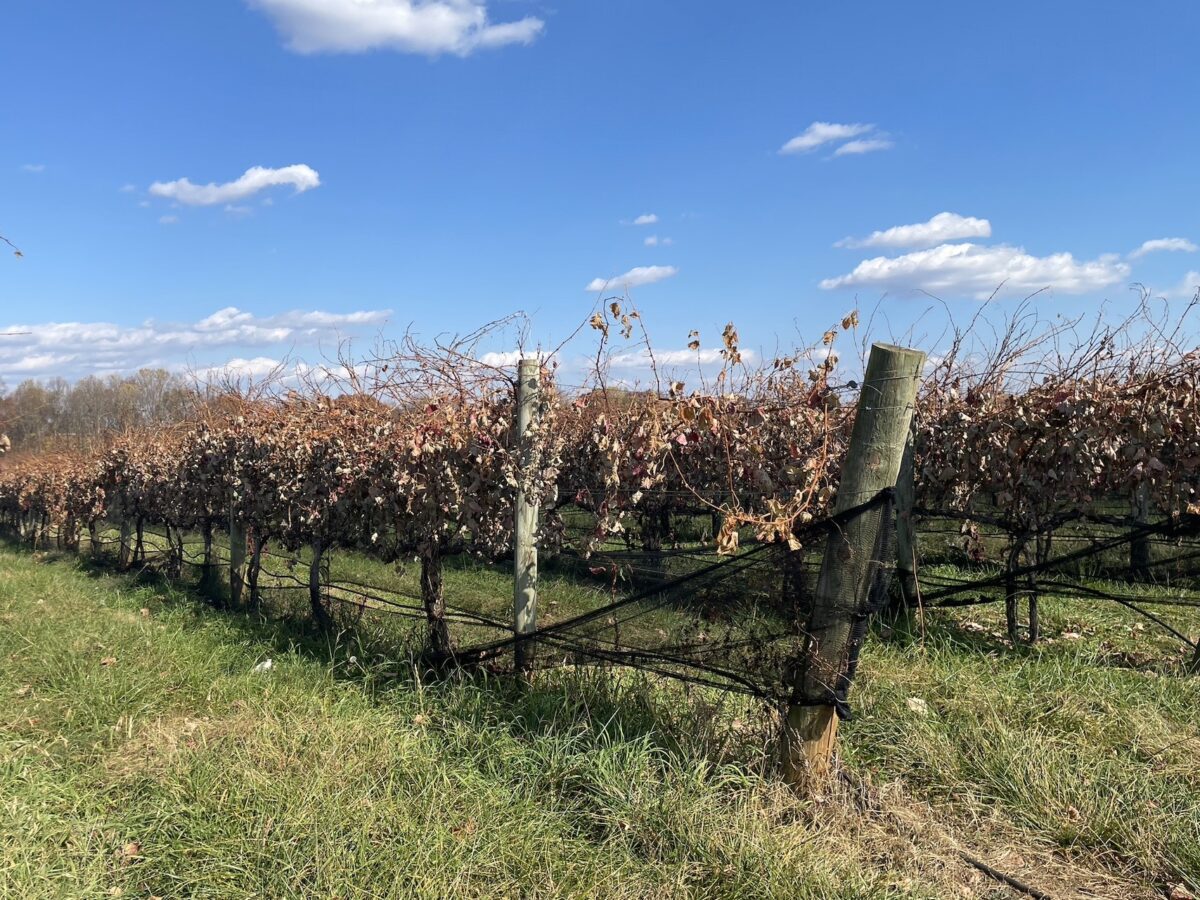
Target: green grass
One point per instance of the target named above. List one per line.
(141, 754)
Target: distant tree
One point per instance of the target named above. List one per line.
(55, 413)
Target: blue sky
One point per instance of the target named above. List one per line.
(441, 164)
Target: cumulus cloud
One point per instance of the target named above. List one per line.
(646, 219)
(253, 180)
(819, 133)
(430, 27)
(1175, 244)
(945, 226)
(654, 240)
(501, 360)
(977, 270)
(75, 349)
(507, 359)
(633, 278)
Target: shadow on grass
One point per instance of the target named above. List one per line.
(596, 705)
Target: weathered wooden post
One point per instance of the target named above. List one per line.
(906, 533)
(125, 548)
(315, 599)
(885, 409)
(237, 558)
(525, 516)
(1139, 547)
(94, 538)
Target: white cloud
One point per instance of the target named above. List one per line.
(945, 226)
(1181, 245)
(168, 220)
(502, 360)
(255, 179)
(646, 219)
(1187, 287)
(75, 349)
(672, 359)
(128, 188)
(642, 358)
(865, 145)
(431, 27)
(654, 240)
(977, 270)
(240, 368)
(633, 278)
(819, 133)
(508, 359)
(35, 168)
(238, 211)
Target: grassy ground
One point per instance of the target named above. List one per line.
(142, 754)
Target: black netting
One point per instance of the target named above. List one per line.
(653, 593)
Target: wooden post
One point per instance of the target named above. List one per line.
(1139, 547)
(208, 572)
(525, 516)
(885, 409)
(906, 534)
(125, 548)
(315, 601)
(237, 558)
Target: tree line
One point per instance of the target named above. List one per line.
(59, 415)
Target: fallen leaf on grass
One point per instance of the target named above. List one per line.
(917, 705)
(467, 829)
(108, 661)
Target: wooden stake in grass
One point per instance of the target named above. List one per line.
(125, 548)
(525, 517)
(1139, 547)
(885, 409)
(237, 558)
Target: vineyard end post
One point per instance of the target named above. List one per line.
(881, 428)
(525, 515)
(237, 558)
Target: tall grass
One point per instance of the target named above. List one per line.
(143, 754)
